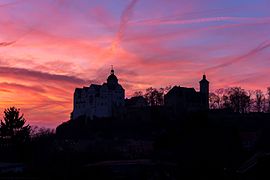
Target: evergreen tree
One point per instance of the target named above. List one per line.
(13, 128)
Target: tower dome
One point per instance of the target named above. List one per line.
(112, 79)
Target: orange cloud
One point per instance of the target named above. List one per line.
(48, 48)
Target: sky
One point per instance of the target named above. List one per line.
(50, 47)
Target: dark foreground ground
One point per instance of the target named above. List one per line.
(202, 145)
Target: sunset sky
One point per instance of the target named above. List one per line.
(50, 47)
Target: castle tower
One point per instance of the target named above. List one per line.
(112, 79)
(204, 91)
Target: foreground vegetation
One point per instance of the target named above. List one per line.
(215, 144)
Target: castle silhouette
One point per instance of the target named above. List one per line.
(183, 99)
(99, 100)
(108, 99)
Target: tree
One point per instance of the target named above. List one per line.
(239, 100)
(259, 101)
(167, 89)
(268, 99)
(137, 93)
(221, 98)
(13, 128)
(41, 132)
(214, 101)
(154, 97)
(226, 104)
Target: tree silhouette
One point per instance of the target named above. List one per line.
(239, 100)
(154, 96)
(226, 104)
(235, 99)
(13, 128)
(222, 98)
(268, 99)
(259, 101)
(214, 101)
(137, 93)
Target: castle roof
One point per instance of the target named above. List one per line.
(112, 77)
(204, 80)
(188, 93)
(96, 86)
(181, 90)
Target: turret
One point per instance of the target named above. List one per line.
(112, 80)
(204, 91)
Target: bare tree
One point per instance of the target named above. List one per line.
(259, 101)
(268, 99)
(225, 102)
(154, 96)
(239, 100)
(214, 101)
(137, 93)
(167, 89)
(37, 132)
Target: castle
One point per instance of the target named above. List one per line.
(182, 99)
(108, 99)
(99, 100)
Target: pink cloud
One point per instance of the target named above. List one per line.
(49, 49)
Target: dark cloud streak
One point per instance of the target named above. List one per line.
(6, 86)
(3, 44)
(38, 75)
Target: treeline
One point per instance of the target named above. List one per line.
(153, 96)
(240, 100)
(235, 99)
(15, 131)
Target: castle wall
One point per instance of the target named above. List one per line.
(93, 102)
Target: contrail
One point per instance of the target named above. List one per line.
(32, 28)
(264, 45)
(4, 44)
(125, 17)
(152, 22)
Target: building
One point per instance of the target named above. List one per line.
(182, 99)
(204, 92)
(136, 102)
(99, 100)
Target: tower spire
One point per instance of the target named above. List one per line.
(204, 76)
(112, 71)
